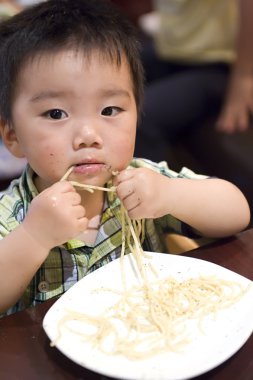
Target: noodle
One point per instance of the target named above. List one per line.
(150, 318)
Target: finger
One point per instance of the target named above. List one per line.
(61, 199)
(125, 175)
(131, 202)
(76, 214)
(73, 198)
(136, 213)
(63, 186)
(243, 122)
(124, 191)
(68, 186)
(227, 125)
(83, 224)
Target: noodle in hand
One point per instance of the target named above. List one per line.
(149, 318)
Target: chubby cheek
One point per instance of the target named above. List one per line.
(123, 152)
(47, 162)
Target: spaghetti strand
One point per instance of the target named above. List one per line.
(149, 318)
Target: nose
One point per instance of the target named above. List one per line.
(87, 135)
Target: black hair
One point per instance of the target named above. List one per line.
(54, 25)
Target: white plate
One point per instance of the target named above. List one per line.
(223, 336)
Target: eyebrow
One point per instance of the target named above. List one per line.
(57, 94)
(47, 95)
(115, 92)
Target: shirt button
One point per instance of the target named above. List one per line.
(43, 286)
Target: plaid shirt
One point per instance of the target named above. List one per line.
(68, 263)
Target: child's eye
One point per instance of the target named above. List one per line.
(111, 111)
(55, 114)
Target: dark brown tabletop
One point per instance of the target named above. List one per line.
(25, 352)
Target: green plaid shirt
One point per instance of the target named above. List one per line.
(68, 263)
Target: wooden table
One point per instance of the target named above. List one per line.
(25, 352)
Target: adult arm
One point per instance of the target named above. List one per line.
(238, 105)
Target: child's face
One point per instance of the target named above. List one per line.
(70, 111)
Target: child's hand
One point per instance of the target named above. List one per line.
(140, 191)
(56, 215)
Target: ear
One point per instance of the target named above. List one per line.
(10, 139)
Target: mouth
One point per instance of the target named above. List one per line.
(90, 168)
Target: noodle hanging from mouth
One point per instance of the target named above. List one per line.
(150, 318)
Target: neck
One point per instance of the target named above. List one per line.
(92, 202)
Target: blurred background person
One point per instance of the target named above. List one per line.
(199, 67)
